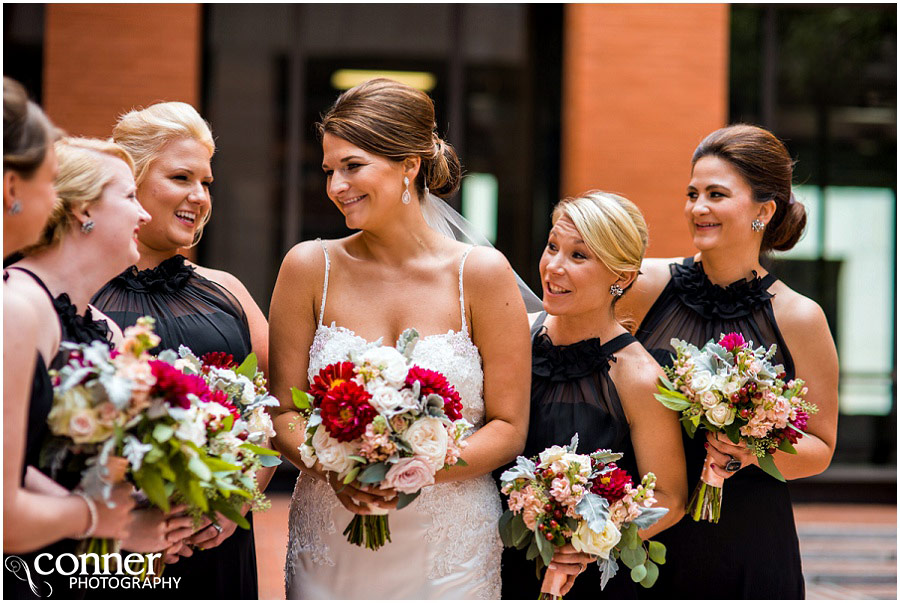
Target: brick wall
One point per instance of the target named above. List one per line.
(642, 85)
(101, 60)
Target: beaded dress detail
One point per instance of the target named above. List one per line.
(445, 545)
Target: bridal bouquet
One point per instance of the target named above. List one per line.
(378, 420)
(585, 500)
(731, 387)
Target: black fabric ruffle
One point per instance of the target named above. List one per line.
(710, 301)
(567, 362)
(77, 328)
(170, 276)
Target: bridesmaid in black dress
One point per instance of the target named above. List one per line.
(40, 515)
(591, 377)
(206, 310)
(739, 205)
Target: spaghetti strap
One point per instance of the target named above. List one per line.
(462, 303)
(325, 286)
(36, 278)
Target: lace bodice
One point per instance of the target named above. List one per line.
(447, 537)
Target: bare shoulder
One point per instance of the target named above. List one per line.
(19, 314)
(655, 274)
(485, 263)
(227, 280)
(636, 369)
(653, 278)
(797, 315)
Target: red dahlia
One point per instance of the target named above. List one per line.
(732, 341)
(611, 485)
(218, 360)
(432, 382)
(346, 411)
(174, 386)
(330, 377)
(221, 398)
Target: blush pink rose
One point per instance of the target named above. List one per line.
(409, 475)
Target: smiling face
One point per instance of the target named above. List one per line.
(574, 280)
(720, 206)
(118, 215)
(365, 187)
(175, 191)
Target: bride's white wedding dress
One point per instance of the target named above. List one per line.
(445, 545)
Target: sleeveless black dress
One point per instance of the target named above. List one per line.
(193, 311)
(75, 328)
(753, 552)
(572, 392)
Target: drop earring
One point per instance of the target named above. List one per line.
(405, 196)
(757, 225)
(15, 208)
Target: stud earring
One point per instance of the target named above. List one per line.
(15, 208)
(757, 225)
(87, 227)
(405, 196)
(615, 290)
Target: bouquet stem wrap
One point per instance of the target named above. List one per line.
(706, 501)
(551, 587)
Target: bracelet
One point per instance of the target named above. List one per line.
(92, 510)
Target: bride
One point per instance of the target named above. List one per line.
(381, 159)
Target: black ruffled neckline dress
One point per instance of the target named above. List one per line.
(572, 392)
(753, 552)
(194, 311)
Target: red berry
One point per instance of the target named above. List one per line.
(557, 514)
(548, 536)
(548, 507)
(553, 524)
(560, 475)
(745, 413)
(735, 397)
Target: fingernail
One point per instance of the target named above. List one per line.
(552, 566)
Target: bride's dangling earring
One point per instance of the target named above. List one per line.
(405, 196)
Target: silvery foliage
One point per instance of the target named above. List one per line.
(106, 385)
(608, 569)
(524, 468)
(595, 511)
(134, 450)
(649, 516)
(406, 343)
(93, 479)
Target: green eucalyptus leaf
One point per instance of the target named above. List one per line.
(657, 551)
(248, 366)
(652, 574)
(638, 573)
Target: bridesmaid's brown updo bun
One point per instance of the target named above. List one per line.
(387, 118)
(767, 167)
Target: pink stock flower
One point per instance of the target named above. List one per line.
(732, 341)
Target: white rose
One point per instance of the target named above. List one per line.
(428, 439)
(586, 541)
(385, 399)
(569, 459)
(389, 361)
(307, 455)
(701, 381)
(192, 428)
(731, 387)
(261, 422)
(720, 415)
(554, 453)
(709, 399)
(333, 454)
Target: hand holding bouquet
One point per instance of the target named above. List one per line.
(377, 420)
(560, 497)
(732, 388)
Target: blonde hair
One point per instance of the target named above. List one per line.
(144, 133)
(612, 227)
(79, 184)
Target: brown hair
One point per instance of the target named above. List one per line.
(83, 174)
(396, 121)
(763, 161)
(27, 132)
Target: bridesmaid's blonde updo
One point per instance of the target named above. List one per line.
(145, 132)
(612, 227)
(396, 121)
(83, 174)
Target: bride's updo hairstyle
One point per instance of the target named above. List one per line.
(144, 133)
(765, 164)
(396, 121)
(83, 174)
(612, 227)
(27, 133)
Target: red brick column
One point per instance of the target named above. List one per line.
(642, 85)
(101, 60)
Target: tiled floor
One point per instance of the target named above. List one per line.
(849, 551)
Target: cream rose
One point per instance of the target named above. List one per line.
(307, 455)
(332, 454)
(720, 415)
(709, 399)
(409, 475)
(701, 381)
(554, 453)
(386, 399)
(428, 439)
(586, 541)
(389, 362)
(260, 422)
(82, 424)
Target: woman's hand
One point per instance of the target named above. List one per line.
(152, 530)
(566, 560)
(359, 500)
(177, 551)
(114, 522)
(722, 450)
